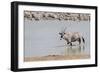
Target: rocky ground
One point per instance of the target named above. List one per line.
(41, 15)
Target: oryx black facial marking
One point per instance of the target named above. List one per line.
(61, 35)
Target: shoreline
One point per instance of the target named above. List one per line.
(56, 57)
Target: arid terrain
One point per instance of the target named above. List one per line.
(56, 57)
(41, 15)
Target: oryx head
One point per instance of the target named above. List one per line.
(62, 33)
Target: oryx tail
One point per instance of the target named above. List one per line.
(83, 40)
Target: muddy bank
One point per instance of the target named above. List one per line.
(56, 57)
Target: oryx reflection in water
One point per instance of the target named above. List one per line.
(74, 41)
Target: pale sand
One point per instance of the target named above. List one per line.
(56, 57)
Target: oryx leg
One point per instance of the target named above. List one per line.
(70, 43)
(79, 40)
(82, 42)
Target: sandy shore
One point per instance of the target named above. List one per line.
(56, 57)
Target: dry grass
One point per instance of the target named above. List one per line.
(56, 57)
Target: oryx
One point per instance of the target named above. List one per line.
(71, 37)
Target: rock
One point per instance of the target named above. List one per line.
(35, 15)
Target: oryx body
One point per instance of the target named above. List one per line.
(71, 37)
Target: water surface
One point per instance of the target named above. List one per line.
(41, 38)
